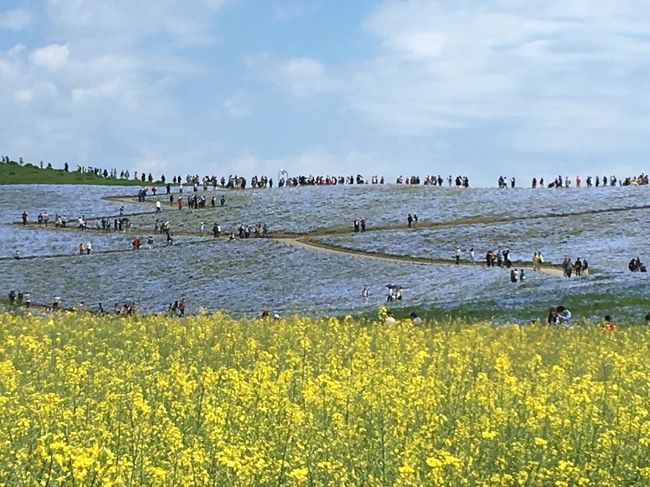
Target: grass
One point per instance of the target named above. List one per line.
(14, 173)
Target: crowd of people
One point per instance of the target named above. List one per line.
(259, 230)
(493, 258)
(24, 299)
(557, 315)
(119, 224)
(590, 181)
(232, 182)
(20, 298)
(430, 180)
(87, 169)
(579, 267)
(318, 180)
(240, 182)
(566, 182)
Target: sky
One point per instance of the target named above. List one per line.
(395, 87)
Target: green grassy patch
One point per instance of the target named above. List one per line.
(15, 173)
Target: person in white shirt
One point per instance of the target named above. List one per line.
(564, 316)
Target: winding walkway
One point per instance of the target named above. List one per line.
(309, 244)
(305, 240)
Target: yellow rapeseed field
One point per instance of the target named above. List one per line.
(211, 400)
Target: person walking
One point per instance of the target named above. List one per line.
(536, 262)
(181, 307)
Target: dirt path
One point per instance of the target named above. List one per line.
(289, 239)
(305, 241)
(423, 223)
(310, 245)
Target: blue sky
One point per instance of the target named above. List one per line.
(498, 87)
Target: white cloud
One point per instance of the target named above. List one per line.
(215, 4)
(316, 161)
(237, 106)
(301, 77)
(16, 50)
(558, 68)
(449, 80)
(53, 56)
(109, 89)
(125, 22)
(16, 20)
(419, 44)
(286, 11)
(24, 95)
(500, 79)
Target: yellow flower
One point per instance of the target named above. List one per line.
(488, 435)
(435, 462)
(299, 474)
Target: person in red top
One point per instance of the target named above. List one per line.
(608, 324)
